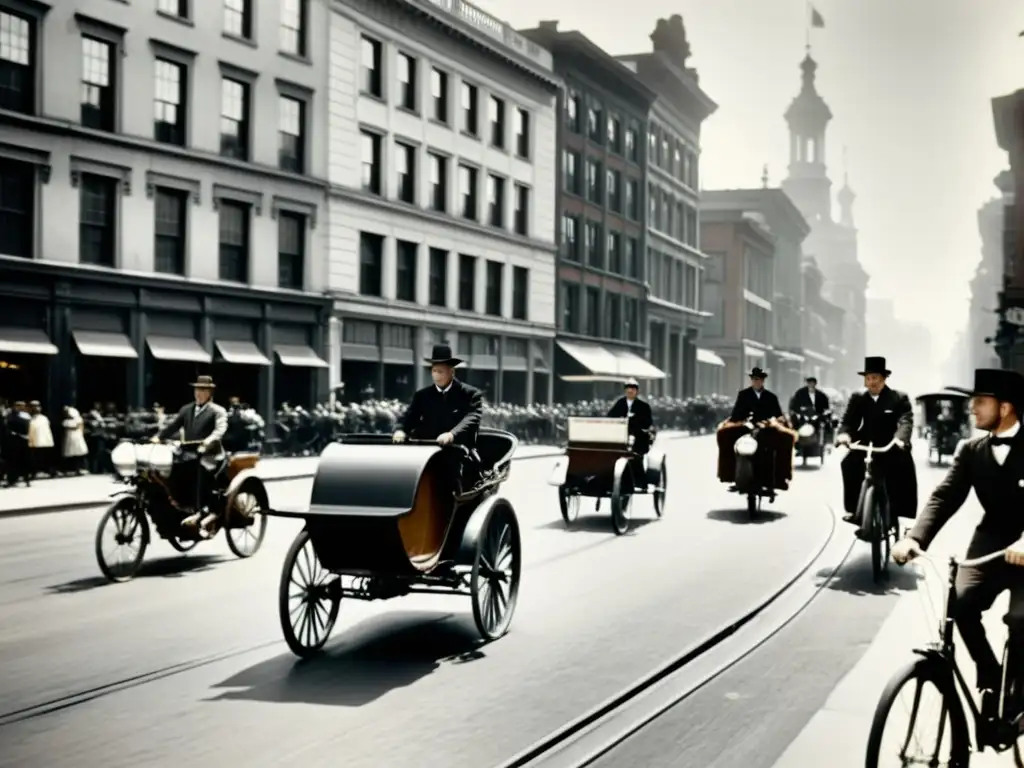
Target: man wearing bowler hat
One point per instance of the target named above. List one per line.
(756, 400)
(201, 420)
(993, 467)
(448, 411)
(878, 415)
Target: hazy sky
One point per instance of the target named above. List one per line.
(910, 84)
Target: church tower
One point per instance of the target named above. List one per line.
(846, 198)
(808, 116)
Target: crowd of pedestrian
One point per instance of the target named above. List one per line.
(30, 447)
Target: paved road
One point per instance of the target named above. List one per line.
(403, 682)
(749, 715)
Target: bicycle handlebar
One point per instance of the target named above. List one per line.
(869, 448)
(973, 562)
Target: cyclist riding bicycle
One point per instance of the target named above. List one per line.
(993, 465)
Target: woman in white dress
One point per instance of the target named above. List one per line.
(75, 449)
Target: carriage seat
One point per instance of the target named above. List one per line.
(239, 462)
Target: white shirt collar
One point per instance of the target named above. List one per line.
(443, 391)
(1009, 432)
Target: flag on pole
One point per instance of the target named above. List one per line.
(817, 22)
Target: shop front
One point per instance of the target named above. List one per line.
(76, 337)
(596, 371)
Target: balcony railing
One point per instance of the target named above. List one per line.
(496, 29)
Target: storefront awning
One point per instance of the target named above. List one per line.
(750, 351)
(708, 357)
(26, 341)
(241, 353)
(104, 344)
(299, 356)
(181, 350)
(819, 357)
(608, 365)
(791, 356)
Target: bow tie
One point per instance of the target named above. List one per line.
(1001, 441)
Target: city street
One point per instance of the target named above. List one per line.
(402, 682)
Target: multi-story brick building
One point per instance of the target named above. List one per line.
(602, 180)
(442, 157)
(161, 189)
(738, 289)
(983, 314)
(675, 264)
(1008, 112)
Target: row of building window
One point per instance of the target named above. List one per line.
(239, 21)
(407, 256)
(673, 280)
(671, 154)
(395, 336)
(101, 74)
(600, 314)
(672, 216)
(601, 127)
(407, 160)
(411, 95)
(615, 253)
(99, 227)
(759, 276)
(604, 189)
(757, 323)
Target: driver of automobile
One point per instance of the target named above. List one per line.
(809, 397)
(993, 466)
(756, 400)
(878, 415)
(201, 420)
(447, 411)
(640, 416)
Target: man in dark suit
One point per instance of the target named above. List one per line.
(447, 411)
(878, 415)
(993, 466)
(809, 397)
(756, 400)
(201, 420)
(641, 420)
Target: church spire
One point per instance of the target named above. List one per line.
(808, 117)
(846, 197)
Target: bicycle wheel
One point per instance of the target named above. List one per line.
(932, 694)
(1009, 698)
(880, 543)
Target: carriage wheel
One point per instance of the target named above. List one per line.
(121, 540)
(622, 484)
(494, 580)
(182, 546)
(569, 503)
(249, 503)
(661, 489)
(308, 598)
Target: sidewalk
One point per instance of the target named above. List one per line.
(67, 494)
(837, 735)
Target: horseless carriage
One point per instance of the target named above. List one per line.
(947, 421)
(159, 490)
(383, 522)
(812, 430)
(599, 462)
(756, 458)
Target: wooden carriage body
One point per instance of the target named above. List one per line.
(597, 449)
(380, 509)
(781, 438)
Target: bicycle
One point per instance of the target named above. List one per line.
(874, 499)
(937, 665)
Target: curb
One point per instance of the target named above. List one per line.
(580, 742)
(76, 506)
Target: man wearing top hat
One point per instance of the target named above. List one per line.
(641, 420)
(447, 411)
(756, 400)
(993, 467)
(201, 420)
(878, 415)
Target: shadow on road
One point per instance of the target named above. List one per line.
(742, 516)
(598, 522)
(812, 466)
(165, 567)
(375, 657)
(855, 577)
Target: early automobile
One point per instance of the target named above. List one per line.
(756, 458)
(812, 431)
(599, 463)
(380, 524)
(947, 421)
(155, 493)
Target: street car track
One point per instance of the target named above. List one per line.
(584, 740)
